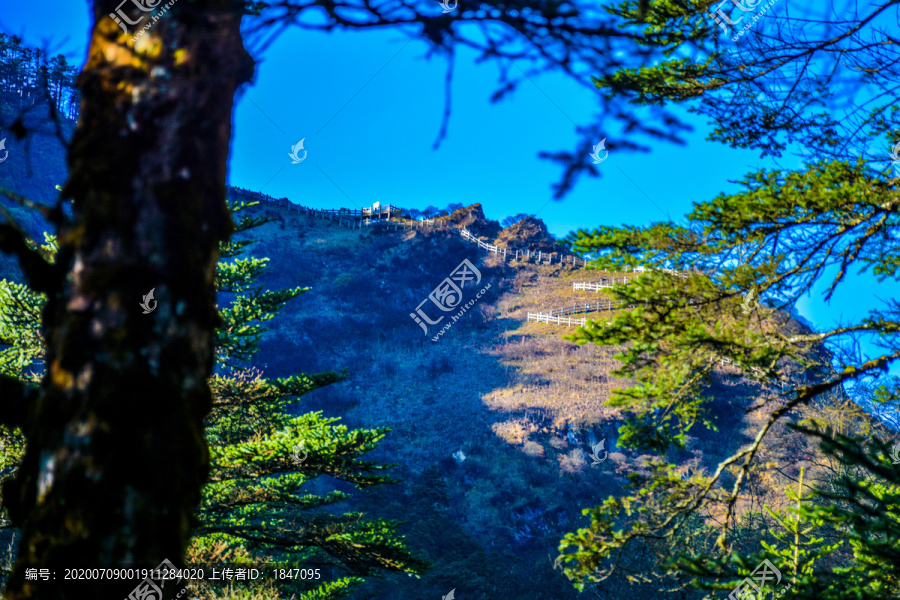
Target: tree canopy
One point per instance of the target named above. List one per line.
(802, 83)
(147, 169)
(255, 508)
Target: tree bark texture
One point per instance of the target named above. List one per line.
(116, 457)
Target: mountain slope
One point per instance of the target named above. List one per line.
(493, 423)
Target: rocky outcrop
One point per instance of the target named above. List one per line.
(528, 234)
(472, 218)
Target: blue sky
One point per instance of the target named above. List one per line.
(369, 107)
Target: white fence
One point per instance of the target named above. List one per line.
(608, 283)
(357, 219)
(542, 318)
(596, 286)
(387, 216)
(540, 255)
(558, 315)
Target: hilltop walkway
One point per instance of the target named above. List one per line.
(390, 216)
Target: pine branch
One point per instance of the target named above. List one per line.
(40, 274)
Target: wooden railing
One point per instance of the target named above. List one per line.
(542, 318)
(603, 284)
(388, 216)
(539, 255)
(558, 315)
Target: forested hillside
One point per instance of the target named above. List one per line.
(492, 426)
(423, 402)
(32, 82)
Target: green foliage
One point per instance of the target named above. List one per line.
(238, 339)
(20, 312)
(340, 588)
(21, 344)
(859, 512)
(784, 233)
(254, 508)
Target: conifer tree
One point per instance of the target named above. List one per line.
(147, 166)
(254, 509)
(746, 258)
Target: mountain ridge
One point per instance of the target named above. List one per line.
(494, 422)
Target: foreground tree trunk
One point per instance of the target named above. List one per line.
(116, 457)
